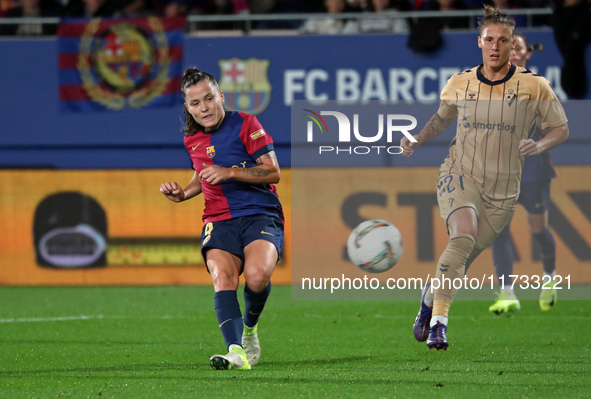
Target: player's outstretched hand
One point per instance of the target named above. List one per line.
(407, 146)
(529, 147)
(172, 191)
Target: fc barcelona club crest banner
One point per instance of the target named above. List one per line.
(245, 84)
(118, 64)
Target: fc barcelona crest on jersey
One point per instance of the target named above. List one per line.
(245, 84)
(210, 151)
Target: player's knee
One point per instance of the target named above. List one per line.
(224, 278)
(257, 278)
(537, 223)
(258, 282)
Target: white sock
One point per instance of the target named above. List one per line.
(438, 318)
(548, 280)
(551, 275)
(507, 290)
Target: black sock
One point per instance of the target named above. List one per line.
(227, 310)
(254, 303)
(547, 247)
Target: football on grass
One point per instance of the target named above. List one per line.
(375, 246)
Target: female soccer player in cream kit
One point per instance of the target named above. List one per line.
(496, 104)
(235, 170)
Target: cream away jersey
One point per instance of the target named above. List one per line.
(492, 117)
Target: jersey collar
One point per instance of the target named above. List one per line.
(226, 117)
(508, 76)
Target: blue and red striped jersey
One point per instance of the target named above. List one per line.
(237, 143)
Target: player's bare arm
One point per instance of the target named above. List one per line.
(266, 172)
(432, 129)
(174, 192)
(552, 137)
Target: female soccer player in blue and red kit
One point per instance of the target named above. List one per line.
(235, 169)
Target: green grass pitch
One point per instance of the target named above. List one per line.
(155, 342)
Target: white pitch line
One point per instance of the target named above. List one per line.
(46, 319)
(84, 317)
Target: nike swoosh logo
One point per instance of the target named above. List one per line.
(264, 232)
(539, 205)
(224, 322)
(253, 313)
(195, 146)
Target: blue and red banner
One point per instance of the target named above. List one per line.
(118, 64)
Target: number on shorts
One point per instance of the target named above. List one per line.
(447, 181)
(208, 229)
